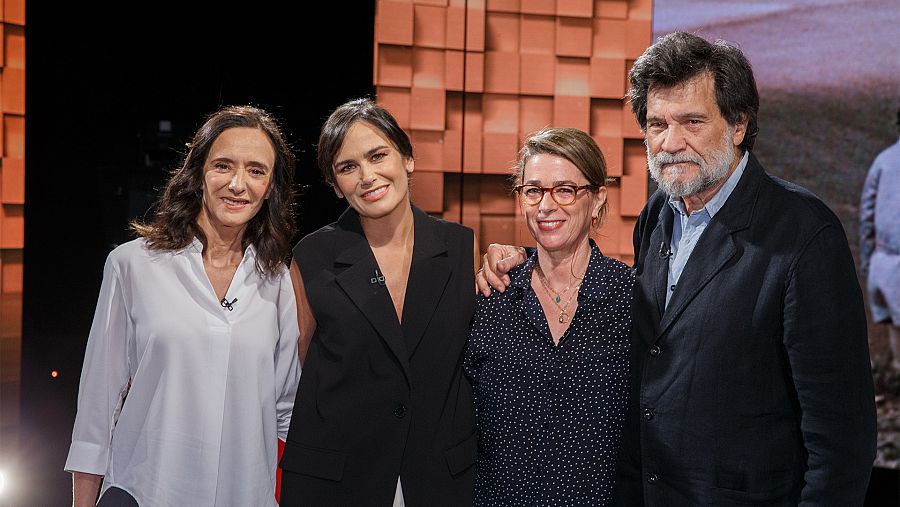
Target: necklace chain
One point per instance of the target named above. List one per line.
(563, 314)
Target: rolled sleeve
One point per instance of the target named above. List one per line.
(104, 379)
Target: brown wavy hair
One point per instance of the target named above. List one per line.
(271, 231)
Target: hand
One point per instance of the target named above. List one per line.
(495, 264)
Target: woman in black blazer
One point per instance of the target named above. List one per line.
(383, 412)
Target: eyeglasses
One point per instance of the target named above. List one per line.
(564, 195)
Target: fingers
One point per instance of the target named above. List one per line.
(481, 284)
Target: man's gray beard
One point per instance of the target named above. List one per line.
(710, 174)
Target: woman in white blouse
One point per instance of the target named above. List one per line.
(191, 364)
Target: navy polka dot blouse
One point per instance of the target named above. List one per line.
(550, 416)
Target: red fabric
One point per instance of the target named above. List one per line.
(278, 472)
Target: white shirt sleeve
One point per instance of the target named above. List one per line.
(287, 362)
(104, 378)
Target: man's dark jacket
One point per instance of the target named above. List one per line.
(753, 387)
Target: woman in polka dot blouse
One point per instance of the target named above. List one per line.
(548, 357)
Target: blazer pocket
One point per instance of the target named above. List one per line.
(321, 463)
(461, 456)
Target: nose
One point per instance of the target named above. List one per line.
(237, 182)
(547, 203)
(673, 139)
(366, 174)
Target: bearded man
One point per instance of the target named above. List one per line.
(751, 382)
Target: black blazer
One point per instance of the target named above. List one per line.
(378, 399)
(753, 387)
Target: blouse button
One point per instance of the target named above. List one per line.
(652, 478)
(400, 411)
(654, 351)
(648, 414)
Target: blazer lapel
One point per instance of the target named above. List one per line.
(714, 249)
(717, 245)
(355, 267)
(429, 272)
(661, 236)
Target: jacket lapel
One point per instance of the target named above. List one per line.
(660, 239)
(429, 272)
(355, 267)
(716, 246)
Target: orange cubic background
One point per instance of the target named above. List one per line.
(470, 80)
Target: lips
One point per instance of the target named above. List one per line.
(549, 225)
(374, 194)
(234, 204)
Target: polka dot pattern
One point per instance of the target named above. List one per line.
(550, 416)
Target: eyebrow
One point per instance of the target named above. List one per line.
(557, 182)
(367, 155)
(254, 163)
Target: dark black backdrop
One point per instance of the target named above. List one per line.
(101, 79)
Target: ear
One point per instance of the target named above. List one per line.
(337, 191)
(599, 201)
(740, 130)
(410, 165)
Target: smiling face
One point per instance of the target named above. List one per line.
(371, 173)
(559, 228)
(690, 145)
(236, 177)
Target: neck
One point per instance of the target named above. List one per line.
(394, 228)
(223, 244)
(562, 266)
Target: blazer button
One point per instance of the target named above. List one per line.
(647, 414)
(654, 351)
(400, 411)
(652, 478)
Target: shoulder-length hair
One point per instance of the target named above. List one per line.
(270, 231)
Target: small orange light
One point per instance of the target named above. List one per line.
(54, 373)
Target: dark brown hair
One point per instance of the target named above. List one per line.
(270, 231)
(573, 145)
(335, 130)
(679, 57)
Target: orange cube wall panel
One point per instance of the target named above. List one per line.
(547, 7)
(12, 181)
(427, 108)
(394, 22)
(576, 8)
(538, 74)
(535, 113)
(470, 80)
(430, 26)
(573, 36)
(538, 34)
(614, 9)
(501, 72)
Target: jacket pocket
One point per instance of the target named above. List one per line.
(314, 462)
(461, 456)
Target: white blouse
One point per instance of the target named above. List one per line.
(208, 390)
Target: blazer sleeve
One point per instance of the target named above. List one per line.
(826, 343)
(104, 378)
